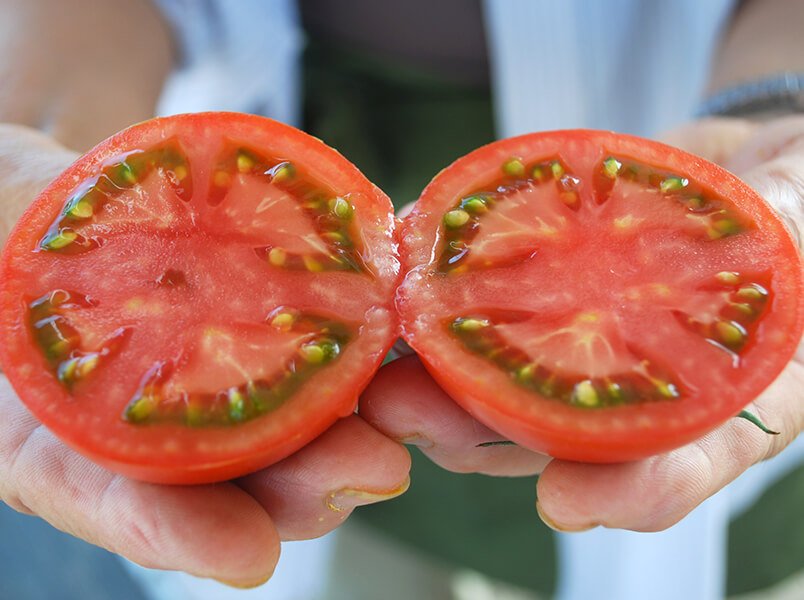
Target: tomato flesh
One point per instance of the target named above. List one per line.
(199, 296)
(595, 296)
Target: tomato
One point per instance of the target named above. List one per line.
(199, 296)
(598, 297)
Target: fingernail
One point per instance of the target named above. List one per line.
(415, 439)
(562, 528)
(346, 498)
(244, 586)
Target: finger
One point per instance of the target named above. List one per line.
(404, 403)
(29, 160)
(655, 493)
(313, 491)
(216, 531)
(715, 139)
(405, 210)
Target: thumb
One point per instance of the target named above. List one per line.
(715, 139)
(29, 160)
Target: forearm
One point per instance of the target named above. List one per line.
(81, 69)
(763, 38)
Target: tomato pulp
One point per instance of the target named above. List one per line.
(199, 296)
(598, 297)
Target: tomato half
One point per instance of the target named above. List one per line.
(199, 296)
(598, 297)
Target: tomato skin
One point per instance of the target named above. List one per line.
(214, 246)
(713, 390)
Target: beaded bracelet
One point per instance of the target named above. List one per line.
(771, 96)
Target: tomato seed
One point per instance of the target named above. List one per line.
(611, 167)
(514, 167)
(341, 208)
(277, 257)
(728, 277)
(730, 333)
(585, 394)
(455, 219)
(673, 184)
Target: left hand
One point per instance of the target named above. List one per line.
(654, 493)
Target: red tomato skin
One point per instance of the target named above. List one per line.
(173, 454)
(603, 435)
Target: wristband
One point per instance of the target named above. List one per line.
(772, 96)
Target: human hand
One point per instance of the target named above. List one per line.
(646, 495)
(229, 531)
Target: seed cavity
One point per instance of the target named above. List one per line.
(716, 219)
(645, 383)
(156, 402)
(331, 214)
(60, 341)
(117, 175)
(462, 221)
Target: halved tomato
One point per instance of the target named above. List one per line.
(598, 297)
(199, 296)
